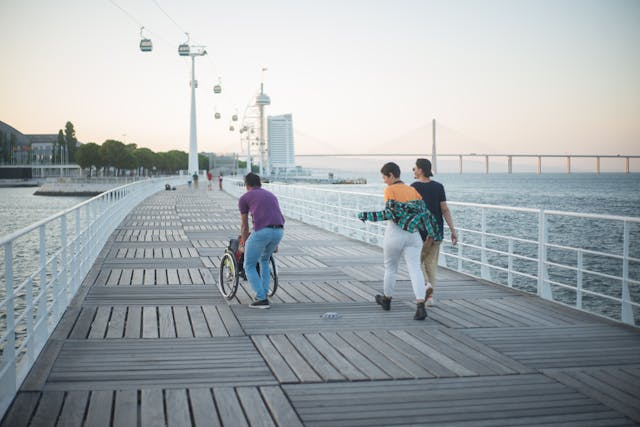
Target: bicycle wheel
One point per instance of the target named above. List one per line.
(273, 272)
(228, 280)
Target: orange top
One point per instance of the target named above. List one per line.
(401, 192)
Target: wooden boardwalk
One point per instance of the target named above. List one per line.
(149, 341)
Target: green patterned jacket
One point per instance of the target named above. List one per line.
(410, 216)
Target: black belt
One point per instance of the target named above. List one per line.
(275, 226)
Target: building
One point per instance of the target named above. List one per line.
(281, 145)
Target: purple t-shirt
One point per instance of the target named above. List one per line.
(263, 206)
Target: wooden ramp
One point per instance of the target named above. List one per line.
(149, 341)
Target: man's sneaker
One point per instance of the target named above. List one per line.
(430, 302)
(421, 313)
(385, 302)
(263, 303)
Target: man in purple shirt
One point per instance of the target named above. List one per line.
(268, 229)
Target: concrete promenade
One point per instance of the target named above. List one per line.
(149, 341)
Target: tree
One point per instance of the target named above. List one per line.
(203, 162)
(113, 153)
(88, 155)
(71, 143)
(145, 158)
(58, 148)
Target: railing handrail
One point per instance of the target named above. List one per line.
(35, 225)
(334, 210)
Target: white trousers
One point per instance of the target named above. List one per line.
(398, 242)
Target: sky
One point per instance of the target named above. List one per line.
(358, 76)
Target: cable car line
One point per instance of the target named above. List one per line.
(169, 16)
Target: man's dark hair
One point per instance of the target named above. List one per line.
(252, 180)
(391, 169)
(425, 165)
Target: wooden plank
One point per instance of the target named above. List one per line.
(198, 322)
(137, 277)
(196, 279)
(161, 276)
(370, 350)
(125, 409)
(371, 370)
(256, 412)
(81, 328)
(48, 409)
(203, 408)
(125, 277)
(149, 322)
(73, 410)
(334, 358)
(149, 276)
(229, 408)
(280, 407)
(216, 326)
(297, 363)
(230, 321)
(99, 411)
(134, 322)
(167, 328)
(116, 323)
(114, 277)
(183, 326)
(177, 408)
(99, 324)
(151, 408)
(274, 359)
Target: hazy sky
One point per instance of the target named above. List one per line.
(518, 76)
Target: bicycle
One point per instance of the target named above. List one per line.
(231, 271)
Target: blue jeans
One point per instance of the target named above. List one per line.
(258, 248)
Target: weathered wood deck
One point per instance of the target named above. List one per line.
(149, 341)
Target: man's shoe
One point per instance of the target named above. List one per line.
(429, 302)
(263, 303)
(385, 302)
(421, 313)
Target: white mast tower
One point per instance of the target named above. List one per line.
(261, 100)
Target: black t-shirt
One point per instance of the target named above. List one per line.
(432, 193)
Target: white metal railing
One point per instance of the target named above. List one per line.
(44, 265)
(587, 261)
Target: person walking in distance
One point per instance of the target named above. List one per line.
(433, 194)
(268, 229)
(220, 181)
(407, 213)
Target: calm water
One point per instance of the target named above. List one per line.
(19, 207)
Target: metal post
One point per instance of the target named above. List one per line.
(460, 164)
(627, 309)
(598, 165)
(8, 372)
(486, 164)
(510, 265)
(626, 165)
(579, 280)
(484, 270)
(509, 164)
(193, 141)
(544, 290)
(539, 165)
(434, 157)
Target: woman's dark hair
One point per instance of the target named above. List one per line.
(390, 169)
(425, 165)
(252, 180)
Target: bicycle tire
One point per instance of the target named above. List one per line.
(273, 272)
(228, 278)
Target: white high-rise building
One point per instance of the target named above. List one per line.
(281, 147)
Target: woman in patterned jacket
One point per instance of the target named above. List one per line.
(407, 214)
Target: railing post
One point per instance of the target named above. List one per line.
(8, 372)
(579, 281)
(544, 290)
(510, 265)
(65, 265)
(28, 317)
(484, 269)
(460, 239)
(627, 309)
(41, 323)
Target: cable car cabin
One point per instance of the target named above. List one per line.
(231, 128)
(146, 45)
(234, 117)
(183, 49)
(217, 115)
(217, 89)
